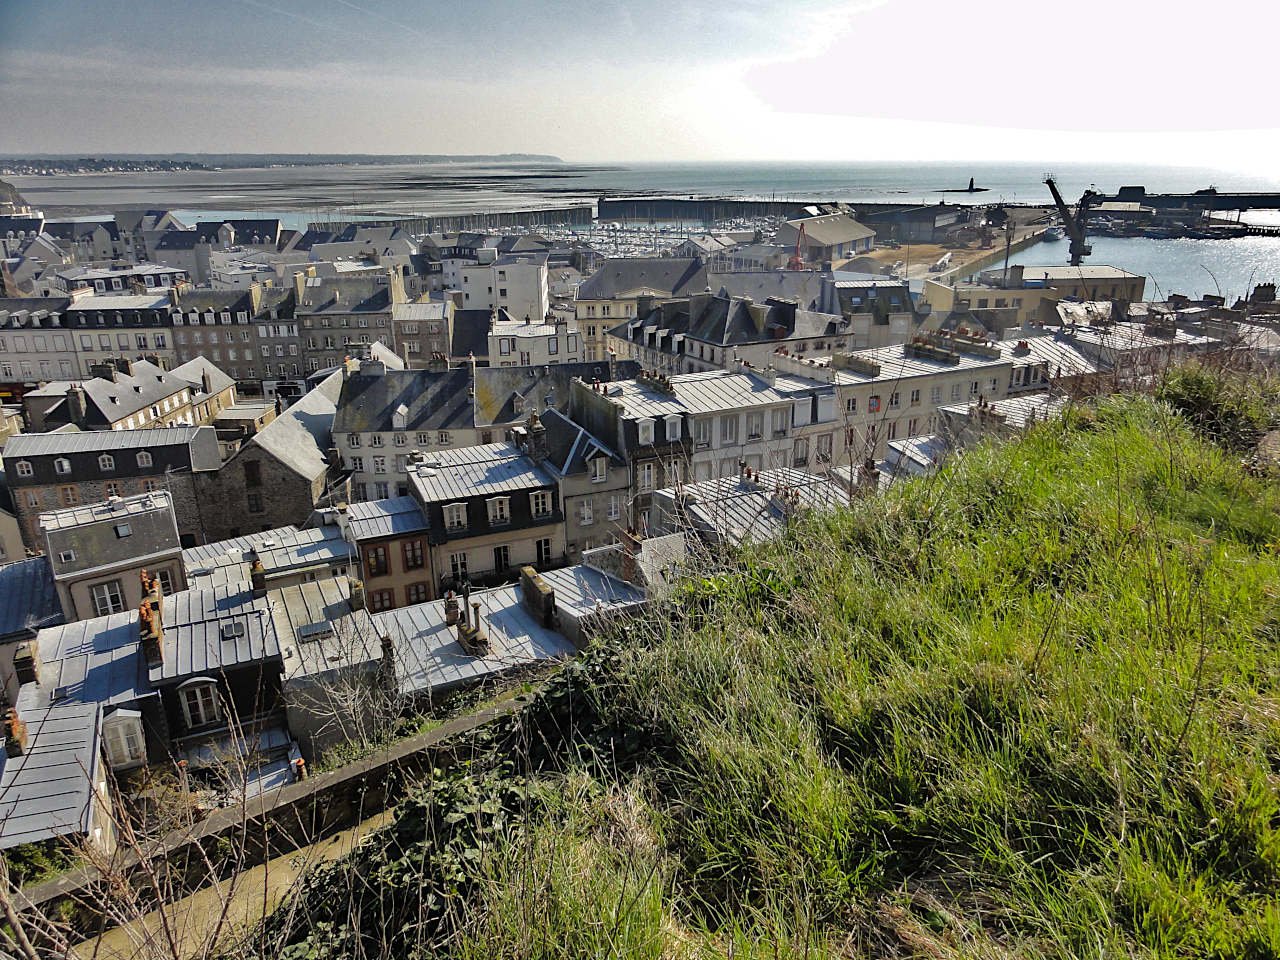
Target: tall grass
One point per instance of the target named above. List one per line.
(1026, 707)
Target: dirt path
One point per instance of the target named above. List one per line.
(194, 918)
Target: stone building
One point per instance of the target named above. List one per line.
(49, 471)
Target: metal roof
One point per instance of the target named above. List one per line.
(711, 391)
(583, 590)
(385, 518)
(48, 791)
(91, 661)
(743, 511)
(896, 365)
(194, 641)
(318, 629)
(429, 657)
(28, 600)
(232, 551)
(1017, 411)
(453, 475)
(96, 441)
(138, 504)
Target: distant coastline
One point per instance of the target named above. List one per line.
(41, 164)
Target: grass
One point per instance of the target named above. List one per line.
(1027, 707)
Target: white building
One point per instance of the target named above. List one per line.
(516, 282)
(522, 343)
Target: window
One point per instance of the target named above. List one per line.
(200, 703)
(755, 426)
(24, 468)
(780, 421)
(415, 593)
(955, 391)
(252, 473)
(122, 732)
(729, 430)
(499, 510)
(973, 389)
(702, 432)
(455, 516)
(823, 454)
(544, 551)
(895, 400)
(375, 440)
(107, 598)
(413, 555)
(357, 464)
(800, 452)
(553, 345)
(913, 426)
(935, 395)
(673, 426)
(644, 476)
(915, 398)
(615, 507)
(166, 581)
(62, 466)
(892, 432)
(150, 486)
(458, 565)
(379, 464)
(106, 463)
(68, 495)
(444, 438)
(540, 503)
(382, 600)
(501, 558)
(424, 439)
(112, 488)
(254, 501)
(645, 428)
(401, 440)
(873, 403)
(33, 498)
(599, 470)
(123, 530)
(144, 459)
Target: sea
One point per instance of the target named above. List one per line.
(300, 195)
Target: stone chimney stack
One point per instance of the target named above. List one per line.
(26, 662)
(537, 439)
(355, 594)
(258, 578)
(151, 621)
(630, 541)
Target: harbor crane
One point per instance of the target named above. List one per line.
(797, 256)
(1074, 225)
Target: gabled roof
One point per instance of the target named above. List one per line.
(28, 600)
(179, 240)
(48, 791)
(471, 333)
(726, 321)
(194, 372)
(570, 448)
(385, 518)
(831, 229)
(94, 441)
(802, 286)
(110, 400)
(299, 437)
(430, 400)
(195, 643)
(632, 276)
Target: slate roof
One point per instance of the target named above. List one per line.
(570, 447)
(696, 393)
(94, 661)
(48, 791)
(16, 225)
(362, 294)
(193, 372)
(723, 321)
(629, 276)
(432, 400)
(28, 600)
(740, 511)
(497, 387)
(321, 602)
(1018, 412)
(802, 286)
(232, 551)
(113, 400)
(299, 438)
(471, 333)
(179, 240)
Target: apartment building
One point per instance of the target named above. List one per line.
(342, 316)
(49, 471)
(422, 330)
(514, 282)
(135, 325)
(534, 342)
(703, 425)
(708, 331)
(252, 334)
(99, 552)
(120, 279)
(35, 344)
(611, 293)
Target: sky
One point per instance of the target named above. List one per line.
(649, 80)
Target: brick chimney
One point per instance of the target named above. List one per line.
(539, 596)
(15, 729)
(124, 365)
(451, 614)
(104, 371)
(630, 554)
(150, 622)
(355, 594)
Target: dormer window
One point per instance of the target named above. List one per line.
(673, 426)
(499, 510)
(24, 468)
(144, 459)
(645, 429)
(200, 702)
(62, 466)
(599, 470)
(106, 463)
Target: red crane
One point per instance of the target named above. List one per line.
(797, 256)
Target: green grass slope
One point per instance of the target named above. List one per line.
(1027, 707)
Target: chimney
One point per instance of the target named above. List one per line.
(104, 371)
(438, 363)
(205, 385)
(613, 364)
(124, 365)
(630, 554)
(387, 668)
(451, 614)
(355, 593)
(26, 662)
(258, 578)
(173, 297)
(538, 595)
(537, 439)
(15, 744)
(255, 297)
(299, 284)
(151, 634)
(644, 305)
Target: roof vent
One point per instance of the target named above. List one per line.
(232, 631)
(315, 631)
